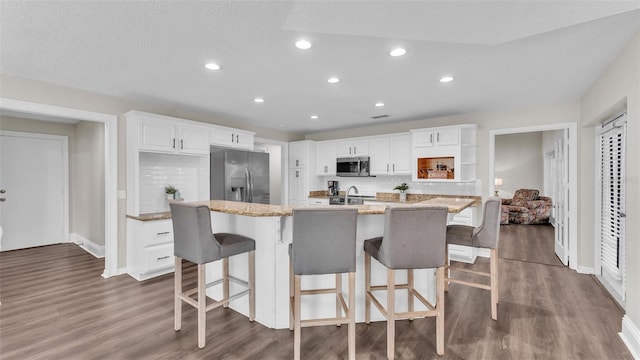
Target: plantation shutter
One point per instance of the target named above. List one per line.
(612, 152)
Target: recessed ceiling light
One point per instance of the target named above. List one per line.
(446, 79)
(258, 100)
(333, 80)
(212, 66)
(398, 52)
(379, 104)
(314, 117)
(303, 44)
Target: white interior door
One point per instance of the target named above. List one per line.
(33, 173)
(612, 144)
(561, 197)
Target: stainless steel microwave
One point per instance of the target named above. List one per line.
(352, 166)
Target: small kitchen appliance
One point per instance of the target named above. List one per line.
(332, 186)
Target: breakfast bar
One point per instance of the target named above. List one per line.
(271, 227)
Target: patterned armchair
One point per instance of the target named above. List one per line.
(526, 207)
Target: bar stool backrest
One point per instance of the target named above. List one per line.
(414, 237)
(193, 238)
(324, 241)
(487, 234)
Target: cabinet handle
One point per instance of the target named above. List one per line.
(174, 143)
(431, 138)
(387, 167)
(163, 233)
(354, 150)
(438, 137)
(326, 169)
(237, 139)
(394, 167)
(181, 144)
(349, 150)
(163, 257)
(231, 137)
(297, 173)
(297, 162)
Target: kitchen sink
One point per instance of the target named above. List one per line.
(353, 199)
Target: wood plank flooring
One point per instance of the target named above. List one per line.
(56, 305)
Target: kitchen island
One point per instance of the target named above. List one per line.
(271, 227)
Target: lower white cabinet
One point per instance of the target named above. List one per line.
(149, 248)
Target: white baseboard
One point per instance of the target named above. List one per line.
(585, 270)
(630, 334)
(87, 245)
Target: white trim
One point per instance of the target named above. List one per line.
(630, 335)
(110, 164)
(585, 270)
(573, 175)
(64, 140)
(87, 245)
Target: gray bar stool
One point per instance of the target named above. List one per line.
(324, 242)
(414, 238)
(486, 235)
(194, 241)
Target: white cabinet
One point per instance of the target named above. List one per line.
(302, 178)
(234, 138)
(301, 154)
(326, 158)
(352, 147)
(158, 135)
(318, 201)
(390, 155)
(298, 187)
(444, 153)
(149, 248)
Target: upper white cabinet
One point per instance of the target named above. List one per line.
(326, 158)
(435, 137)
(352, 147)
(159, 135)
(390, 155)
(300, 153)
(444, 153)
(229, 137)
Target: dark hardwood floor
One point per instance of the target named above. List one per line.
(55, 305)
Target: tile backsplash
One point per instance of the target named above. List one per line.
(188, 174)
(382, 183)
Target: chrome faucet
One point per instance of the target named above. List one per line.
(346, 195)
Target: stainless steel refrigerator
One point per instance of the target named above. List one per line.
(239, 175)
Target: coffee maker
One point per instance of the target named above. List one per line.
(332, 186)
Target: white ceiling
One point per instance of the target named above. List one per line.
(503, 54)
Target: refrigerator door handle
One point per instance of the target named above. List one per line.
(248, 186)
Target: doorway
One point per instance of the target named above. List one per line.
(44, 112)
(566, 244)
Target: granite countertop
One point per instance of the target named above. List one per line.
(455, 205)
(395, 197)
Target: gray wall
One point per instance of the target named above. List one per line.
(87, 182)
(519, 162)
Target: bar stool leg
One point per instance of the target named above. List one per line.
(202, 304)
(440, 285)
(292, 298)
(177, 302)
(391, 313)
(494, 283)
(447, 264)
(296, 316)
(338, 304)
(252, 285)
(352, 316)
(225, 281)
(410, 291)
(367, 288)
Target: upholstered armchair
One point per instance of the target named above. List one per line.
(526, 207)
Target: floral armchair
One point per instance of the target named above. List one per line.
(526, 207)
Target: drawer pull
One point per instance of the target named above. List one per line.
(163, 257)
(163, 233)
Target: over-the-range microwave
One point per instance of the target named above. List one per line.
(352, 166)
